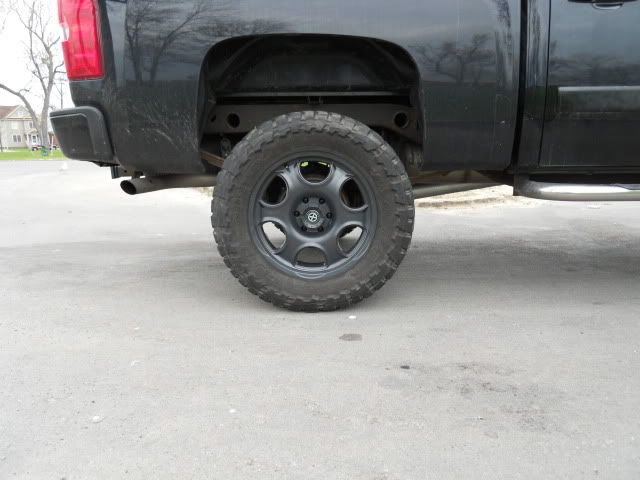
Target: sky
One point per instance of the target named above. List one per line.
(13, 65)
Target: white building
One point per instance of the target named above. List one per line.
(16, 128)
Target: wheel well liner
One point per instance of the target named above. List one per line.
(307, 62)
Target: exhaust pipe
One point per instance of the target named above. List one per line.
(137, 186)
(427, 191)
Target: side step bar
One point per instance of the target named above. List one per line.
(571, 192)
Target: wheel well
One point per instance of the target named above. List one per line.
(248, 80)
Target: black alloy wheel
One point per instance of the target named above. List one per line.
(324, 216)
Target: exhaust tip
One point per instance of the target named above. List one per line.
(128, 187)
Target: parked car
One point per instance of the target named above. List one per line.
(319, 123)
(36, 147)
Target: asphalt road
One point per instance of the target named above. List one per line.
(508, 346)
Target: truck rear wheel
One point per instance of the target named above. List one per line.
(313, 211)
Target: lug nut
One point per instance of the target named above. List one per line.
(305, 200)
(321, 229)
(296, 213)
(322, 201)
(329, 215)
(304, 229)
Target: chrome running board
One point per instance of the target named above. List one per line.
(572, 192)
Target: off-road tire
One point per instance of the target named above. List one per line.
(259, 151)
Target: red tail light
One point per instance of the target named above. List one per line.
(81, 43)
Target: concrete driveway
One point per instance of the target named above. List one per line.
(508, 346)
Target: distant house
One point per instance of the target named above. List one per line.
(16, 128)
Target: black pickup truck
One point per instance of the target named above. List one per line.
(319, 122)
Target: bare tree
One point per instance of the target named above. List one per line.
(462, 63)
(161, 33)
(149, 37)
(4, 10)
(43, 59)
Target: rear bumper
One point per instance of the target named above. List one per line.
(82, 134)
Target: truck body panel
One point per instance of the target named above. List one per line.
(593, 107)
(502, 85)
(467, 54)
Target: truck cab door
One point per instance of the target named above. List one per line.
(592, 115)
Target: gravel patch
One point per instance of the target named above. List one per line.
(486, 197)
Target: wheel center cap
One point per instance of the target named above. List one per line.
(313, 216)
